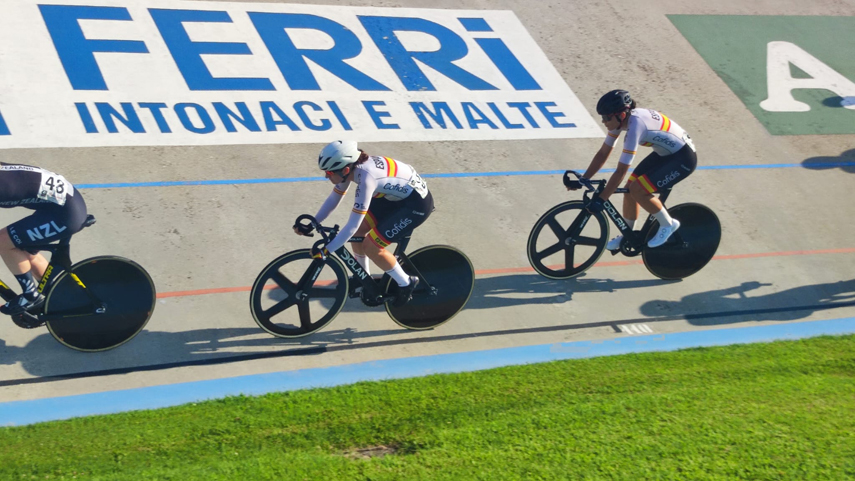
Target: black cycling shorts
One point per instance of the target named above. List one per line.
(390, 221)
(657, 172)
(50, 223)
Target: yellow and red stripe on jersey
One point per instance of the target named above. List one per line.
(666, 124)
(630, 152)
(648, 186)
(614, 136)
(632, 178)
(360, 212)
(339, 192)
(392, 167)
(646, 144)
(378, 239)
(372, 222)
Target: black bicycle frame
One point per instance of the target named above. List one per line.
(617, 219)
(60, 261)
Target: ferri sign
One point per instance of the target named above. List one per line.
(158, 72)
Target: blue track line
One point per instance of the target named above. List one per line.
(18, 413)
(283, 180)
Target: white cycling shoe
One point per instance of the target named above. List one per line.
(614, 244)
(664, 234)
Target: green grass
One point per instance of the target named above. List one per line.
(783, 410)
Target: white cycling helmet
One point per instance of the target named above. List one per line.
(338, 155)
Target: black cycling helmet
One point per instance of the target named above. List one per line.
(614, 102)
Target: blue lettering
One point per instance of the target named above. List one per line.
(155, 109)
(377, 117)
(469, 109)
(551, 116)
(438, 115)
(508, 64)
(501, 55)
(188, 54)
(523, 108)
(207, 123)
(86, 118)
(292, 60)
(300, 107)
(245, 118)
(270, 123)
(502, 118)
(451, 47)
(4, 129)
(75, 50)
(339, 115)
(131, 120)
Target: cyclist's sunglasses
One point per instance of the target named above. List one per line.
(333, 172)
(606, 118)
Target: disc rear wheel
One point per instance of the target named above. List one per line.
(688, 249)
(449, 279)
(125, 301)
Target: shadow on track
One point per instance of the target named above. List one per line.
(845, 162)
(787, 305)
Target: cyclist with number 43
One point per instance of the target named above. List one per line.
(672, 160)
(59, 213)
(391, 200)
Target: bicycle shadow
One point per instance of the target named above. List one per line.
(845, 162)
(734, 305)
(532, 289)
(44, 356)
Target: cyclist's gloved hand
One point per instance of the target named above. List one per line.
(571, 184)
(302, 229)
(321, 253)
(595, 205)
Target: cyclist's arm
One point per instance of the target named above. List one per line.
(614, 181)
(332, 202)
(602, 155)
(630, 146)
(364, 190)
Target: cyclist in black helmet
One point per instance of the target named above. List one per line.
(672, 160)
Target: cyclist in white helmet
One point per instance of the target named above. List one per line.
(672, 160)
(391, 200)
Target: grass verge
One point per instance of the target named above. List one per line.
(783, 410)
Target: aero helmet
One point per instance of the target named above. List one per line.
(338, 155)
(614, 102)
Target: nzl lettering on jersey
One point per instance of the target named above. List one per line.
(155, 72)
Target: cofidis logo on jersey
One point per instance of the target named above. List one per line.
(182, 73)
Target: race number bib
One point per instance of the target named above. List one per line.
(418, 184)
(54, 188)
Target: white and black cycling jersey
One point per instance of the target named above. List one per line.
(32, 187)
(649, 128)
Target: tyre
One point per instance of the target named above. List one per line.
(282, 309)
(554, 253)
(122, 286)
(447, 284)
(690, 248)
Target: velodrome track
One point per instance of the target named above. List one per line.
(205, 219)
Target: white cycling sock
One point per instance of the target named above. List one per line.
(363, 261)
(399, 275)
(630, 223)
(663, 218)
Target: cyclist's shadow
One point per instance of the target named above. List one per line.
(735, 306)
(845, 162)
(530, 289)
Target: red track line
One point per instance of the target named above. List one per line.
(514, 270)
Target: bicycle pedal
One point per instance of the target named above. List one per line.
(27, 321)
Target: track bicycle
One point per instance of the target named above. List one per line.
(567, 240)
(97, 304)
(317, 289)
